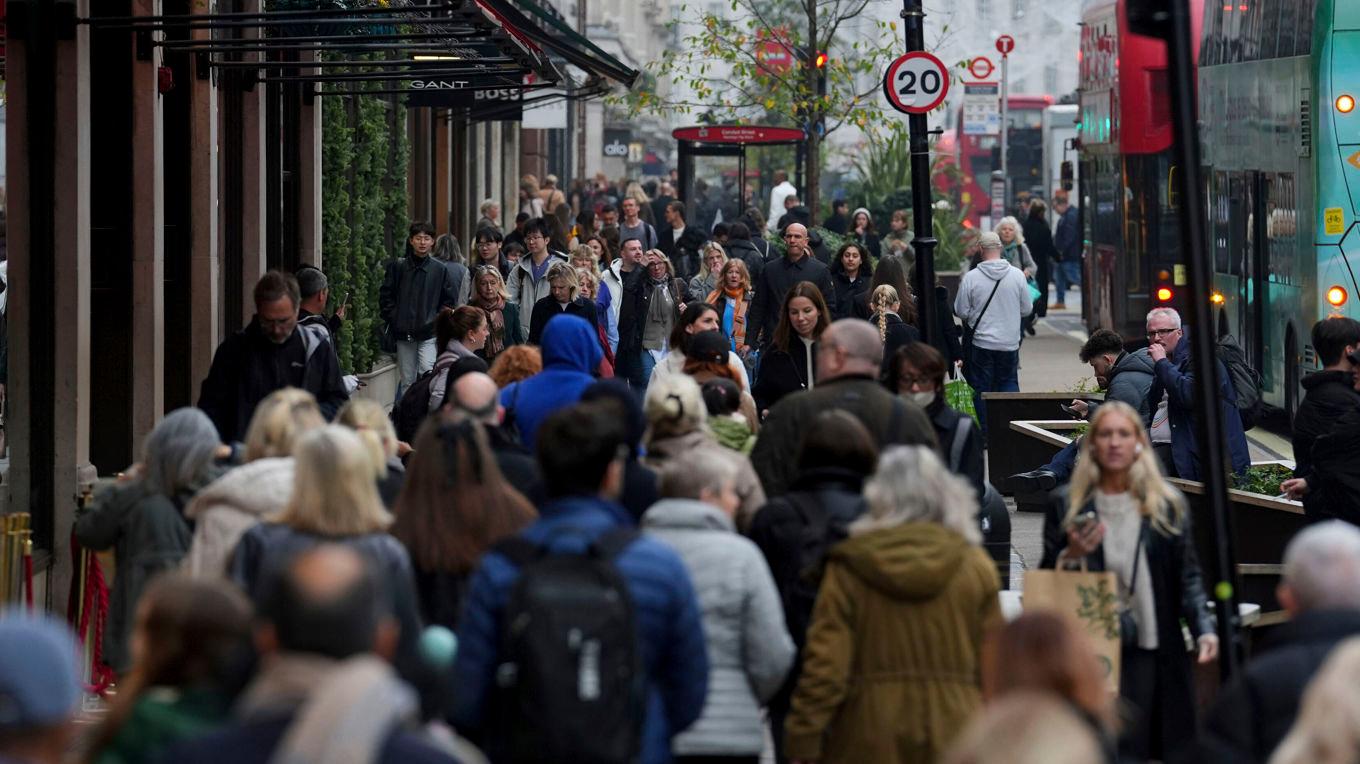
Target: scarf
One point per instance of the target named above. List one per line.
(739, 304)
(495, 319)
(660, 316)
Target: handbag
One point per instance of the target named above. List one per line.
(1128, 625)
(1090, 600)
(1034, 293)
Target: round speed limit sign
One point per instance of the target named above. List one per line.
(916, 83)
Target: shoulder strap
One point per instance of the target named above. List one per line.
(960, 437)
(985, 306)
(611, 544)
(1138, 556)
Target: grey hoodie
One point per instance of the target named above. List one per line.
(999, 328)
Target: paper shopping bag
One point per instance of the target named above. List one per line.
(1090, 600)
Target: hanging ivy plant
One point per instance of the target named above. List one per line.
(364, 157)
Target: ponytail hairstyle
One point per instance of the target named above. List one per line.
(884, 298)
(891, 270)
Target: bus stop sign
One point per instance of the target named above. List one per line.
(1005, 44)
(916, 82)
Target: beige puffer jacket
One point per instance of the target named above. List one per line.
(228, 507)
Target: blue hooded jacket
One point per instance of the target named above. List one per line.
(670, 629)
(1173, 375)
(571, 354)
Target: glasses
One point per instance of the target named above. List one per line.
(269, 323)
(488, 243)
(910, 382)
(1155, 333)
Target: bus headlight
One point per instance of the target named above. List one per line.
(1345, 103)
(1217, 298)
(1336, 296)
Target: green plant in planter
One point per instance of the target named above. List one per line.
(1264, 479)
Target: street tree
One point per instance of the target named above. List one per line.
(758, 61)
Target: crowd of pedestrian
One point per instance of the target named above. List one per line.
(676, 496)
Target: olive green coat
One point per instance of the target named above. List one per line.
(890, 671)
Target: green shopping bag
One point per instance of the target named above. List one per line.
(959, 395)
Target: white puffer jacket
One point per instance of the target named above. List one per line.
(231, 505)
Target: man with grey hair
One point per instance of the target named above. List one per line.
(993, 299)
(475, 396)
(849, 355)
(1321, 592)
(1174, 382)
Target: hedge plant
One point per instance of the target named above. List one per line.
(364, 157)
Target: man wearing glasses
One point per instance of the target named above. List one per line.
(274, 351)
(528, 278)
(777, 278)
(1173, 388)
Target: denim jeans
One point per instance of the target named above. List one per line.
(635, 367)
(1064, 461)
(991, 371)
(1066, 273)
(413, 359)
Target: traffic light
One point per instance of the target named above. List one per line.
(819, 63)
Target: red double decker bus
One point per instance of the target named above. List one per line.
(1128, 208)
(980, 155)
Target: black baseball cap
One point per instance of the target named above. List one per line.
(710, 346)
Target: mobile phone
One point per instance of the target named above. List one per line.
(1068, 410)
(344, 300)
(1083, 520)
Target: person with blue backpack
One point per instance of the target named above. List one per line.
(580, 640)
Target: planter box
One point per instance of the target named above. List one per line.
(1009, 451)
(949, 280)
(380, 384)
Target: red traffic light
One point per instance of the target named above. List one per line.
(820, 60)
(1164, 294)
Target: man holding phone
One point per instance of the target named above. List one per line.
(1122, 375)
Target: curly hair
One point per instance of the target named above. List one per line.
(515, 363)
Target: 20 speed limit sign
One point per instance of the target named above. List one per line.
(916, 83)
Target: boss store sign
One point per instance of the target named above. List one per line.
(616, 143)
(501, 104)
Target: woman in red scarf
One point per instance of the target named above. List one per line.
(488, 294)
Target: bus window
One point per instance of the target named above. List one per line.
(1268, 28)
(1303, 35)
(1289, 14)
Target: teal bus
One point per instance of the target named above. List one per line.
(1278, 86)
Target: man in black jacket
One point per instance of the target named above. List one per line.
(1330, 394)
(274, 351)
(1321, 592)
(741, 246)
(681, 242)
(416, 288)
(849, 356)
(839, 222)
(777, 278)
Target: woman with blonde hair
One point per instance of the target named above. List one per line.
(893, 332)
(563, 297)
(606, 325)
(677, 423)
(712, 257)
(732, 298)
(490, 296)
(228, 507)
(1325, 731)
(335, 501)
(369, 419)
(1121, 515)
(898, 622)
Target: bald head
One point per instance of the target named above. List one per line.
(329, 602)
(796, 240)
(849, 346)
(476, 395)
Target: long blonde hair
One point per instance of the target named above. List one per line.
(279, 420)
(885, 296)
(711, 246)
(1157, 501)
(334, 493)
(369, 419)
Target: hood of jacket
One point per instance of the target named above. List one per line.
(994, 269)
(730, 432)
(1139, 360)
(687, 513)
(912, 561)
(1322, 378)
(570, 342)
(259, 488)
(675, 445)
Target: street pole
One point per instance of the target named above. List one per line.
(913, 17)
(1173, 24)
(1005, 131)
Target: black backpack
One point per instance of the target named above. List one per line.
(570, 685)
(821, 531)
(1246, 380)
(414, 405)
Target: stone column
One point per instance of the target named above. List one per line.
(309, 170)
(204, 268)
(148, 241)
